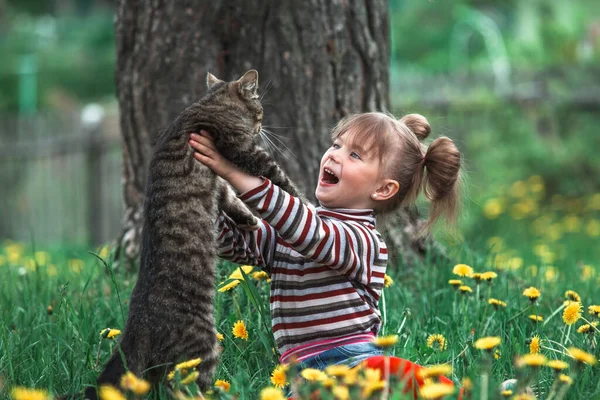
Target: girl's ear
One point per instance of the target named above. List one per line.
(386, 190)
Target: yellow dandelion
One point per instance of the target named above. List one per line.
(532, 293)
(341, 393)
(524, 396)
(506, 393)
(487, 343)
(534, 345)
(108, 392)
(594, 310)
(190, 378)
(109, 333)
(279, 376)
(588, 328)
(225, 385)
(493, 208)
(557, 365)
(189, 364)
(573, 296)
(437, 341)
(271, 393)
(489, 276)
(220, 337)
(467, 384)
(531, 360)
(313, 375)
(434, 371)
(497, 354)
(351, 378)
(464, 289)
(581, 356)
(572, 313)
(435, 390)
(477, 277)
(339, 370)
(228, 286)
(387, 281)
(497, 303)
(462, 270)
(371, 387)
(455, 283)
(536, 318)
(132, 383)
(21, 393)
(565, 379)
(239, 330)
(385, 341)
(237, 274)
(260, 275)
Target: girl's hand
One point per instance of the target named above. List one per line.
(207, 154)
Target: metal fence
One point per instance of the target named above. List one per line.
(60, 177)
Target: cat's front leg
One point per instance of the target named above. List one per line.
(235, 208)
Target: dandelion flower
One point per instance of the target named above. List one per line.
(385, 341)
(573, 296)
(594, 310)
(462, 270)
(108, 392)
(370, 387)
(228, 286)
(193, 363)
(223, 385)
(534, 345)
(581, 356)
(488, 276)
(434, 371)
(588, 328)
(437, 341)
(467, 384)
(464, 289)
(487, 343)
(340, 393)
(339, 370)
(531, 360)
(279, 376)
(497, 354)
(572, 313)
(387, 281)
(260, 275)
(435, 390)
(134, 384)
(477, 277)
(506, 393)
(524, 396)
(313, 375)
(237, 274)
(557, 365)
(497, 303)
(536, 318)
(220, 337)
(21, 393)
(455, 283)
(532, 293)
(565, 379)
(271, 393)
(190, 378)
(109, 333)
(239, 330)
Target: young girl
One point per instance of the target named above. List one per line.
(327, 264)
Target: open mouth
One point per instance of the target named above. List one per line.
(329, 176)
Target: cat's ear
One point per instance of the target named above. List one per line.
(212, 80)
(248, 84)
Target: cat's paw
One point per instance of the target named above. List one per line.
(252, 226)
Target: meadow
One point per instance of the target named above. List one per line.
(536, 298)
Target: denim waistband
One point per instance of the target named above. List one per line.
(350, 354)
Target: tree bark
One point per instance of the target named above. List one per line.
(318, 60)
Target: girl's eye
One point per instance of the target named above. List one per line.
(335, 146)
(354, 155)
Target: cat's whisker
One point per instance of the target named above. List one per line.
(268, 133)
(268, 87)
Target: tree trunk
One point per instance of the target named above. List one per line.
(318, 60)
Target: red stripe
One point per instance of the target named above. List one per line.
(311, 296)
(267, 200)
(300, 272)
(258, 189)
(307, 224)
(285, 215)
(336, 246)
(368, 259)
(317, 322)
(378, 274)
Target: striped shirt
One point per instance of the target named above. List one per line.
(327, 269)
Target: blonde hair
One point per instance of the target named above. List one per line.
(435, 169)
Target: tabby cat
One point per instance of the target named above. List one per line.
(171, 307)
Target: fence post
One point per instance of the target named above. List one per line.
(92, 116)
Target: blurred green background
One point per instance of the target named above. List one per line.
(514, 83)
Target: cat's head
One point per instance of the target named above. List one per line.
(240, 106)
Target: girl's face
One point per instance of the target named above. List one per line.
(349, 175)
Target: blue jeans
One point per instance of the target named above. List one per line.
(350, 355)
